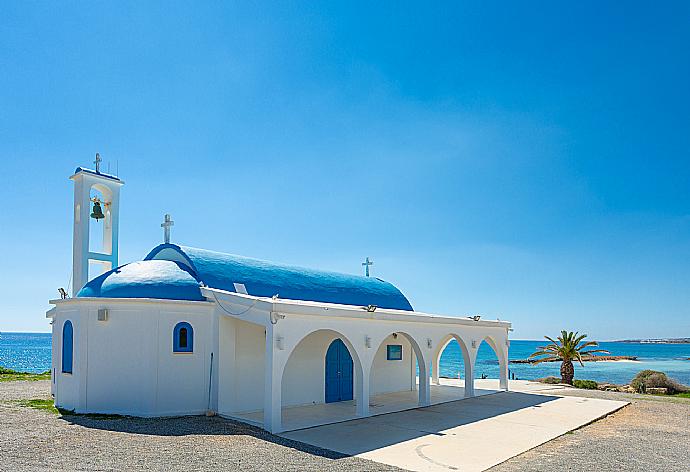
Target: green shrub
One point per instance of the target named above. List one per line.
(588, 384)
(654, 379)
(550, 380)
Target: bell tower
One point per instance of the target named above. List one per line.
(97, 198)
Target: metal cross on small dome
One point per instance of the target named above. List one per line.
(166, 228)
(366, 264)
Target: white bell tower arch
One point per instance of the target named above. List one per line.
(86, 180)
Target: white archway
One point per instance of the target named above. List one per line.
(501, 356)
(421, 361)
(466, 360)
(302, 374)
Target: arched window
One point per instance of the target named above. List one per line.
(183, 337)
(67, 347)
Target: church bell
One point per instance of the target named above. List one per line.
(97, 212)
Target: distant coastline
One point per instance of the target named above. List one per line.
(584, 359)
(656, 341)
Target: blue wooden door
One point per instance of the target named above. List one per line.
(339, 369)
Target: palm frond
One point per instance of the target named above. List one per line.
(579, 358)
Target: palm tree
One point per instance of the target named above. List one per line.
(568, 347)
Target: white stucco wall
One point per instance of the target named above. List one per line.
(125, 365)
(248, 379)
(391, 376)
(66, 386)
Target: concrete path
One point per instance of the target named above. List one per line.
(468, 435)
(308, 416)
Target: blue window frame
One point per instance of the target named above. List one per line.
(67, 347)
(183, 337)
(394, 352)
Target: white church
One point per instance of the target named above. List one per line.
(189, 331)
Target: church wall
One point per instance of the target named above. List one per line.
(126, 364)
(122, 360)
(67, 386)
(250, 348)
(183, 378)
(391, 376)
(226, 364)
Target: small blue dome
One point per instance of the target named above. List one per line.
(145, 279)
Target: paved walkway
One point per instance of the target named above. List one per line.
(469, 435)
(300, 417)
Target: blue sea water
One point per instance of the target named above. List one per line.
(31, 352)
(25, 352)
(668, 358)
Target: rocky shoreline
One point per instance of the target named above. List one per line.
(584, 359)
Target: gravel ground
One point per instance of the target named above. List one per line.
(34, 440)
(652, 433)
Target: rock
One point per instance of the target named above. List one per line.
(657, 390)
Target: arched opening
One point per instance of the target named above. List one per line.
(67, 347)
(398, 373)
(100, 230)
(490, 367)
(96, 226)
(323, 371)
(452, 367)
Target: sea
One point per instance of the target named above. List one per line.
(31, 352)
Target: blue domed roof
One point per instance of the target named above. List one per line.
(145, 279)
(190, 266)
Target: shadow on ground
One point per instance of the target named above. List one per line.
(395, 428)
(435, 419)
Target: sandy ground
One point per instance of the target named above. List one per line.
(653, 433)
(34, 440)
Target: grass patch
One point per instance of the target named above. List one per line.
(9, 375)
(49, 406)
(682, 395)
(39, 404)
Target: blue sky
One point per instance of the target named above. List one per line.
(527, 162)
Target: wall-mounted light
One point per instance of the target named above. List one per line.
(395, 335)
(371, 308)
(474, 344)
(475, 317)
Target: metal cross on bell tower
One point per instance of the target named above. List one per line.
(366, 264)
(98, 163)
(166, 228)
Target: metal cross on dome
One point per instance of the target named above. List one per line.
(366, 264)
(166, 228)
